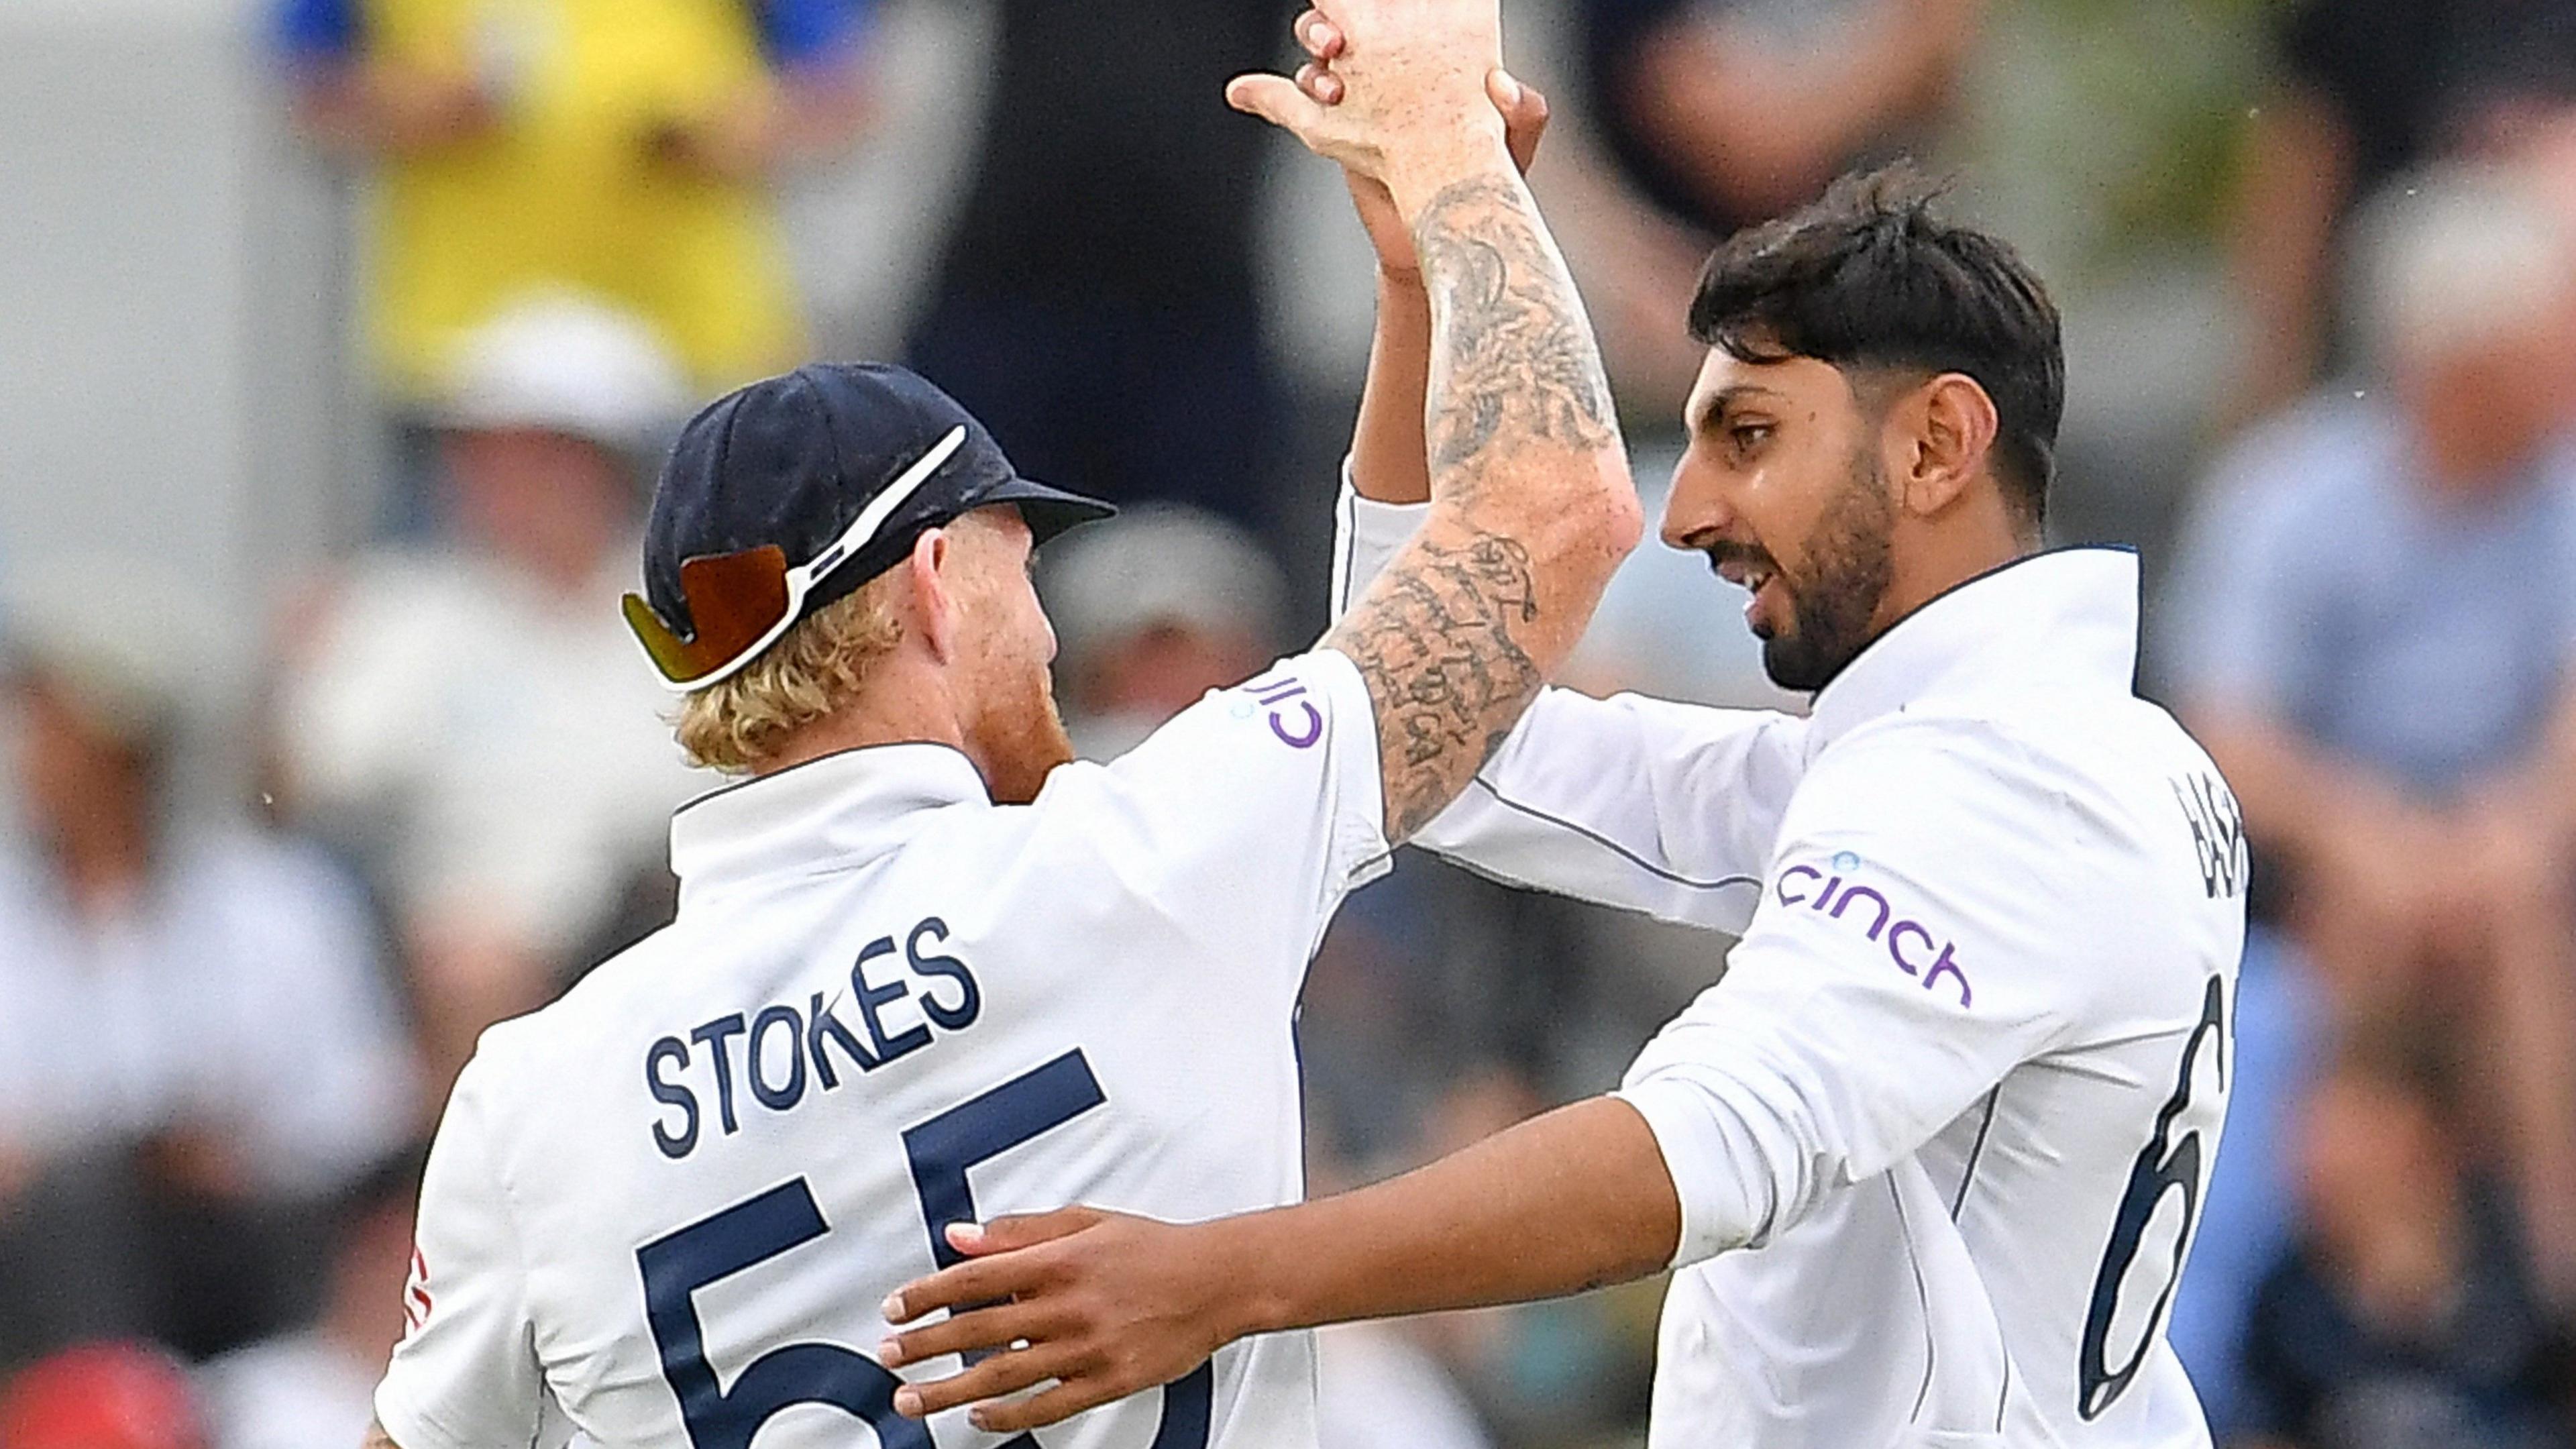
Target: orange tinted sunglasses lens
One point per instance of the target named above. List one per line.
(734, 599)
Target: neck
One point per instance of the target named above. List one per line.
(1942, 556)
(889, 712)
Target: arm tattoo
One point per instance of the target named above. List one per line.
(1434, 642)
(1445, 639)
(1513, 359)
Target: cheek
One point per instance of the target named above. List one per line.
(1045, 630)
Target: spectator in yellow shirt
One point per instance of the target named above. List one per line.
(618, 147)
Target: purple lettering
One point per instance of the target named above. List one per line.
(1809, 871)
(1855, 893)
(1899, 934)
(1314, 728)
(1825, 897)
(1945, 964)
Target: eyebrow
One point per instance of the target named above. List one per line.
(1718, 402)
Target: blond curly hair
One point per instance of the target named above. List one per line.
(815, 668)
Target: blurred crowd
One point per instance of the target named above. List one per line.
(2318, 261)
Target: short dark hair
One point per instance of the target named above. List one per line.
(1866, 276)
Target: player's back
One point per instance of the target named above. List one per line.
(2075, 1187)
(888, 1005)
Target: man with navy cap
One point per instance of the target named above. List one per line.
(925, 968)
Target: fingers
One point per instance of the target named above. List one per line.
(1320, 36)
(1071, 1397)
(978, 1280)
(997, 1327)
(1013, 1231)
(1276, 99)
(1003, 1373)
(1319, 83)
(1525, 114)
(989, 1274)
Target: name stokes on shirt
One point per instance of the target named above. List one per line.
(773, 1052)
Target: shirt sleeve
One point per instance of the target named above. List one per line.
(465, 1375)
(1901, 962)
(801, 33)
(1644, 804)
(1249, 816)
(316, 30)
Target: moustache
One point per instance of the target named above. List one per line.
(1727, 551)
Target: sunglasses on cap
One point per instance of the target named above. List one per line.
(742, 602)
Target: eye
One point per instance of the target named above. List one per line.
(1747, 436)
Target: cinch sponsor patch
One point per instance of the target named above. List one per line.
(1829, 889)
(1292, 715)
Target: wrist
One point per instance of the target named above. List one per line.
(1402, 286)
(1255, 1300)
(1417, 175)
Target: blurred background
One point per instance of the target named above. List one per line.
(338, 339)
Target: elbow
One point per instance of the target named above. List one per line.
(1600, 525)
(1623, 520)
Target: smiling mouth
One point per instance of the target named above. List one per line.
(1744, 573)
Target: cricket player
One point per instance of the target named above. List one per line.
(1928, 1158)
(924, 966)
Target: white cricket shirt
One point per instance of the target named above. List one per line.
(665, 1209)
(1940, 1132)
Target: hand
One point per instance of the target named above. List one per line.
(1105, 1304)
(1525, 117)
(1411, 112)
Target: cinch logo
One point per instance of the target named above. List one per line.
(1909, 944)
(1293, 718)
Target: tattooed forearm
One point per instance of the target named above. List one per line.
(1531, 507)
(1513, 361)
(1434, 642)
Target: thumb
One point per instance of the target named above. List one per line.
(1015, 1231)
(1525, 114)
(1276, 99)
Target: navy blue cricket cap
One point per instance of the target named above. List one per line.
(793, 460)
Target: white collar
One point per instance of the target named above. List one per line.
(840, 808)
(2065, 616)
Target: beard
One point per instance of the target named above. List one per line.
(1019, 741)
(1849, 566)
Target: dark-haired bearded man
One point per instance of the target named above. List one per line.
(1927, 1160)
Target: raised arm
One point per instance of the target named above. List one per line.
(1637, 803)
(1531, 507)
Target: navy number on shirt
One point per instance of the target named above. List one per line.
(2171, 1162)
(1038, 1101)
(678, 1264)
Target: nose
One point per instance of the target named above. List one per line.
(1695, 510)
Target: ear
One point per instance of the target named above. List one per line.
(1953, 425)
(934, 600)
